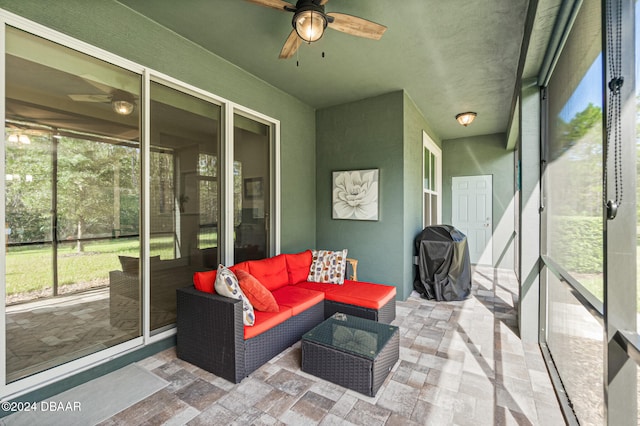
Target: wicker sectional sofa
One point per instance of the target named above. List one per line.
(210, 330)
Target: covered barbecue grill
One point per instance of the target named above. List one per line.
(444, 266)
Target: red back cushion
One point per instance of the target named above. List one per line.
(271, 272)
(258, 295)
(242, 265)
(204, 281)
(298, 266)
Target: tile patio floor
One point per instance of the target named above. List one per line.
(461, 363)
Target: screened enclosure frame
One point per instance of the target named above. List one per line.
(617, 312)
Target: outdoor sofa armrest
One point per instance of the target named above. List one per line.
(354, 269)
(210, 332)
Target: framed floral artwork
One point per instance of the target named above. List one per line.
(355, 194)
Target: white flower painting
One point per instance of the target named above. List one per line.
(355, 195)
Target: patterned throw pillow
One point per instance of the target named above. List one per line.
(328, 266)
(227, 285)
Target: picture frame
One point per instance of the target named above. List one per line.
(253, 187)
(355, 194)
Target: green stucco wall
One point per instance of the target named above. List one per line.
(485, 155)
(414, 126)
(119, 30)
(364, 135)
(383, 132)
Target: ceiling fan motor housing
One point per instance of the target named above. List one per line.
(309, 20)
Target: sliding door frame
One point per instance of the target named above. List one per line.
(55, 374)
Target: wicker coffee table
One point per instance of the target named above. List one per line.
(353, 352)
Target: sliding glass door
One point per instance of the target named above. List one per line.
(184, 197)
(252, 189)
(72, 203)
(103, 222)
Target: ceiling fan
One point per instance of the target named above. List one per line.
(121, 101)
(310, 21)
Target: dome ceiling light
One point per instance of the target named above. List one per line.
(466, 118)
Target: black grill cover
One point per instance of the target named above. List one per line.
(444, 266)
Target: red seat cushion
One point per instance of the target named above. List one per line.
(266, 320)
(204, 281)
(298, 266)
(261, 298)
(271, 272)
(359, 293)
(297, 298)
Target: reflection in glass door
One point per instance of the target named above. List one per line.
(252, 184)
(72, 203)
(184, 195)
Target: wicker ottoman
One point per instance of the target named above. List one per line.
(353, 352)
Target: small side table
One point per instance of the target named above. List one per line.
(353, 352)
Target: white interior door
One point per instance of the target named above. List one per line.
(472, 214)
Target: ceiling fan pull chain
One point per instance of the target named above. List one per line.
(614, 108)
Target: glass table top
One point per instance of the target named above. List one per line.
(352, 334)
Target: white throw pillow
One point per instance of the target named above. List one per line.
(227, 285)
(328, 266)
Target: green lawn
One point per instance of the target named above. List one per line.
(29, 268)
(594, 282)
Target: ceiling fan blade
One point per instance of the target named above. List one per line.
(290, 46)
(356, 26)
(95, 82)
(274, 4)
(91, 98)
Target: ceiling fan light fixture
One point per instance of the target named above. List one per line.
(122, 107)
(466, 118)
(310, 23)
(19, 138)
